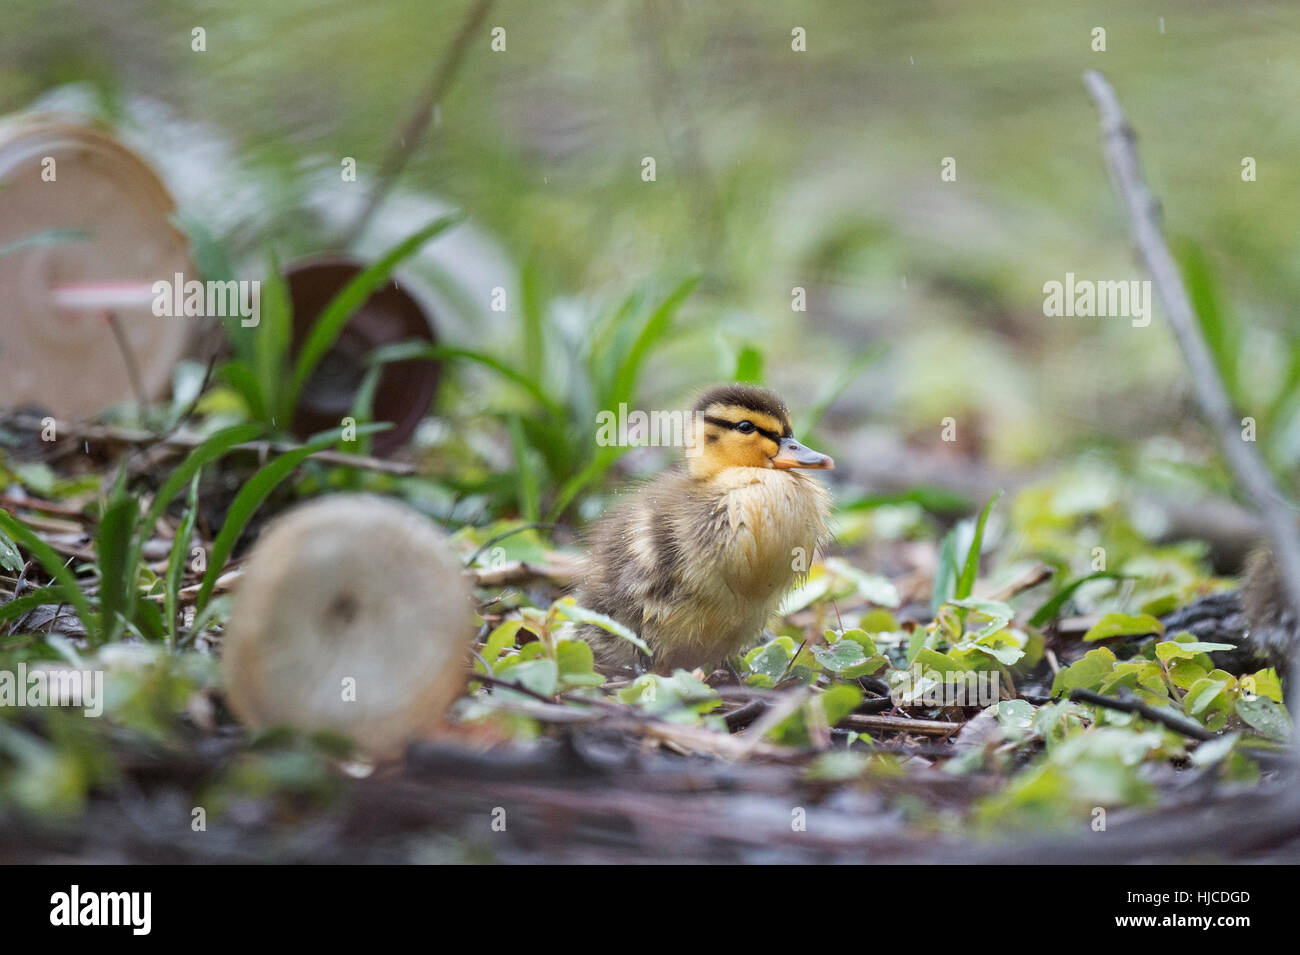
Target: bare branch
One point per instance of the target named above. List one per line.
(1120, 146)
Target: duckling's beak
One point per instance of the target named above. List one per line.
(792, 454)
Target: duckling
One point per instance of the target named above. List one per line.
(698, 560)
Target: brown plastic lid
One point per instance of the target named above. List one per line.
(405, 389)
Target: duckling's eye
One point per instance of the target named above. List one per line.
(746, 427)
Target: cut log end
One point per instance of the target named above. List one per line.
(352, 617)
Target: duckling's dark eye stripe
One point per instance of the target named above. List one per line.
(724, 423)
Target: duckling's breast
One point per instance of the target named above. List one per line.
(770, 523)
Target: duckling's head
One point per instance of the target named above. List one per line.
(740, 426)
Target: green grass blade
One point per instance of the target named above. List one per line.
(405, 351)
(1216, 325)
(1048, 611)
(176, 561)
(597, 466)
(525, 475)
(936, 500)
(945, 572)
(749, 366)
(115, 553)
(10, 559)
(240, 376)
(251, 496)
(271, 344)
(657, 325)
(53, 564)
(966, 582)
(352, 296)
(207, 452)
(813, 416)
(532, 318)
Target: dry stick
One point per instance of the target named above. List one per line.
(128, 358)
(899, 724)
(1120, 146)
(108, 433)
(1175, 721)
(400, 151)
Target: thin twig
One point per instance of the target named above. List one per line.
(1175, 721)
(1119, 142)
(898, 724)
(1026, 581)
(413, 131)
(128, 357)
(518, 571)
(1120, 145)
(115, 435)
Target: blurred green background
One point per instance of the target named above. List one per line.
(775, 169)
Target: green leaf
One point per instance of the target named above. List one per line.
(1212, 751)
(1262, 683)
(271, 344)
(1123, 625)
(533, 388)
(569, 609)
(1052, 607)
(749, 366)
(1207, 696)
(525, 473)
(594, 468)
(928, 658)
(847, 658)
(532, 316)
(1184, 673)
(1218, 329)
(1016, 717)
(839, 701)
(53, 564)
(966, 582)
(577, 664)
(999, 614)
(498, 641)
(117, 569)
(933, 499)
(810, 418)
(771, 659)
(945, 573)
(242, 379)
(541, 675)
(176, 561)
(327, 327)
(211, 449)
(1265, 717)
(1173, 650)
(250, 497)
(10, 559)
(657, 325)
(1086, 674)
